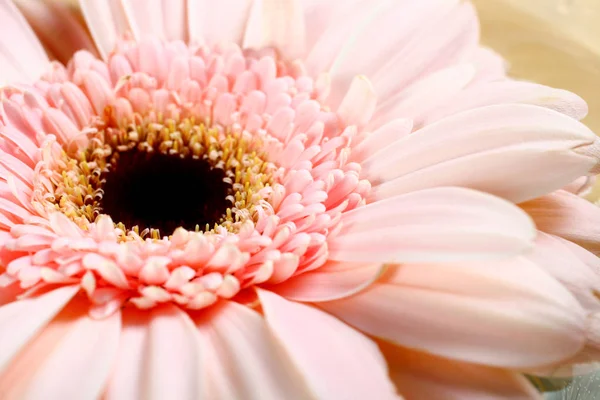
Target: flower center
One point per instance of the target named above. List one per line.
(152, 176)
(163, 192)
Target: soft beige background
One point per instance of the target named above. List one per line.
(554, 42)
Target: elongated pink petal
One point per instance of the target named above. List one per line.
(441, 224)
(21, 320)
(569, 216)
(165, 19)
(213, 22)
(581, 186)
(512, 92)
(381, 138)
(244, 358)
(486, 313)
(449, 35)
(573, 266)
(358, 105)
(86, 340)
(330, 282)
(319, 346)
(159, 357)
(427, 94)
(277, 23)
(57, 27)
(107, 21)
(22, 57)
(423, 376)
(509, 144)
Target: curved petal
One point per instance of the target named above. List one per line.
(58, 27)
(440, 224)
(504, 314)
(424, 376)
(573, 266)
(335, 360)
(165, 19)
(276, 23)
(512, 92)
(330, 282)
(569, 216)
(581, 186)
(22, 57)
(427, 94)
(89, 345)
(21, 320)
(245, 359)
(212, 22)
(107, 22)
(159, 357)
(496, 149)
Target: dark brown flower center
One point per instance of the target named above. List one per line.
(164, 192)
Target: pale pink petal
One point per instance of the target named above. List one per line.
(243, 357)
(419, 375)
(427, 94)
(330, 282)
(440, 224)
(277, 23)
(512, 92)
(577, 269)
(214, 22)
(107, 22)
(21, 320)
(581, 186)
(335, 360)
(57, 27)
(358, 105)
(22, 57)
(381, 138)
(569, 216)
(490, 66)
(159, 357)
(488, 313)
(509, 144)
(165, 19)
(90, 345)
(448, 36)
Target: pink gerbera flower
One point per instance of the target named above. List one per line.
(279, 199)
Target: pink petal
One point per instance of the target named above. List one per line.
(89, 345)
(423, 376)
(568, 216)
(381, 138)
(213, 22)
(448, 35)
(22, 57)
(165, 19)
(512, 92)
(57, 25)
(441, 224)
(330, 282)
(335, 360)
(577, 269)
(358, 105)
(508, 144)
(427, 94)
(244, 358)
(158, 357)
(506, 314)
(107, 21)
(581, 186)
(21, 320)
(277, 23)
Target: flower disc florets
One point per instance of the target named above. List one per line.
(171, 174)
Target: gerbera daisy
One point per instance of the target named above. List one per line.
(279, 199)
